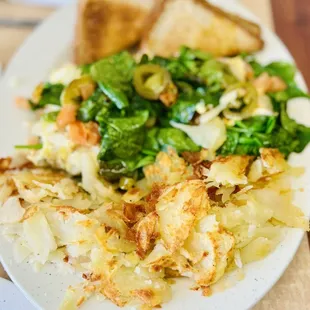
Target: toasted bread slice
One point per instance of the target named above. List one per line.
(198, 24)
(105, 27)
(248, 25)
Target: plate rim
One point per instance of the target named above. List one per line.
(265, 29)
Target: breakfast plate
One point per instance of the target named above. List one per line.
(11, 297)
(49, 47)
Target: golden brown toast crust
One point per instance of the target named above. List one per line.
(251, 28)
(153, 18)
(105, 27)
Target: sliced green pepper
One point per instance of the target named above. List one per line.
(73, 93)
(150, 80)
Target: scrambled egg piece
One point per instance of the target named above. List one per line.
(60, 152)
(65, 74)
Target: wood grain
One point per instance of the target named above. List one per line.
(3, 274)
(23, 11)
(12, 37)
(292, 24)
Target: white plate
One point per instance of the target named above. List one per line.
(11, 298)
(44, 49)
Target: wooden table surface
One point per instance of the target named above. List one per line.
(292, 22)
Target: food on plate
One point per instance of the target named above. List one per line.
(194, 220)
(139, 172)
(122, 112)
(105, 27)
(199, 25)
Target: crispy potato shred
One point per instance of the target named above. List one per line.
(197, 220)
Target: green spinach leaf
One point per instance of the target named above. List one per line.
(177, 139)
(184, 67)
(184, 110)
(50, 95)
(230, 144)
(303, 134)
(85, 69)
(262, 124)
(216, 75)
(151, 145)
(155, 108)
(123, 137)
(291, 92)
(284, 141)
(187, 53)
(281, 132)
(258, 69)
(287, 123)
(158, 139)
(285, 71)
(113, 170)
(248, 136)
(300, 132)
(92, 106)
(114, 75)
